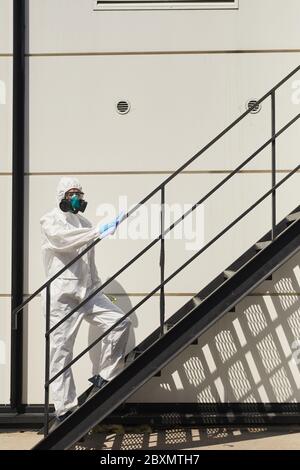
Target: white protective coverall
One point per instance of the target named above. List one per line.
(64, 236)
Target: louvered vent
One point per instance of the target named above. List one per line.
(123, 107)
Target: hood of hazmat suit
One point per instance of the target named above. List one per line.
(65, 184)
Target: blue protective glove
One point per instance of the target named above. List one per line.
(105, 227)
(109, 228)
(120, 217)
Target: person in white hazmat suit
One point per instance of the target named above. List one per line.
(65, 233)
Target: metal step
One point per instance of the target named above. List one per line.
(292, 217)
(81, 399)
(196, 301)
(133, 355)
(168, 326)
(228, 274)
(262, 245)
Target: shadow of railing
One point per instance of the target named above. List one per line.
(119, 438)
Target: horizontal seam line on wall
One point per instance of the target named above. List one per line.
(182, 294)
(187, 294)
(158, 172)
(188, 52)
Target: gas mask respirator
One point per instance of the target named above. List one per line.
(74, 204)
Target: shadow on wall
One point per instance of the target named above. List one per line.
(250, 356)
(115, 289)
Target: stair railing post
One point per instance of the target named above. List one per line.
(47, 361)
(273, 108)
(162, 260)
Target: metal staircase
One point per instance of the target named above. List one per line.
(182, 329)
(198, 314)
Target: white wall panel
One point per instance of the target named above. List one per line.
(178, 104)
(6, 19)
(5, 350)
(5, 114)
(268, 24)
(5, 236)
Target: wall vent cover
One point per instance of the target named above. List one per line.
(256, 108)
(123, 107)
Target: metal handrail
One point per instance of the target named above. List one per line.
(178, 270)
(162, 185)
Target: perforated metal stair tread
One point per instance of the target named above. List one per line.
(131, 356)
